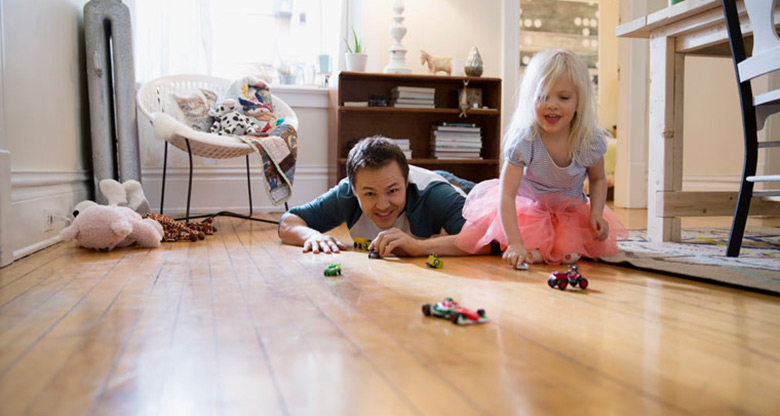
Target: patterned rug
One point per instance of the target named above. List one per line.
(702, 254)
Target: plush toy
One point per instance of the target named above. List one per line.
(128, 194)
(102, 228)
(229, 120)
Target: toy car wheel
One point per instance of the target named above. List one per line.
(481, 312)
(583, 283)
(455, 317)
(437, 262)
(426, 309)
(562, 284)
(551, 282)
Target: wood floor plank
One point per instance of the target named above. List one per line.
(38, 379)
(23, 266)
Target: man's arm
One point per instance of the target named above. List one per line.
(294, 230)
(395, 241)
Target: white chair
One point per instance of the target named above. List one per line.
(155, 104)
(765, 59)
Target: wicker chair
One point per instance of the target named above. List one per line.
(154, 103)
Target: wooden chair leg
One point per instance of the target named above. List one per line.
(740, 218)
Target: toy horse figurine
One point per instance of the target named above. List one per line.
(436, 63)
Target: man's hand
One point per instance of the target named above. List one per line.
(395, 241)
(322, 243)
(601, 227)
(515, 254)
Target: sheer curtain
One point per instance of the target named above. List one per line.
(233, 38)
(172, 37)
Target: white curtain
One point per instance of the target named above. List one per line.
(171, 37)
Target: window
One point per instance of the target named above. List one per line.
(279, 40)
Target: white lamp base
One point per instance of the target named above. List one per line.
(397, 63)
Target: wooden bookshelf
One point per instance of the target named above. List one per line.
(415, 124)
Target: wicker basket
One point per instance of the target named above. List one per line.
(154, 99)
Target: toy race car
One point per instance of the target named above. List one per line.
(451, 310)
(569, 277)
(332, 270)
(361, 243)
(434, 261)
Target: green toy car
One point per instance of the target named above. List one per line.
(332, 270)
(434, 261)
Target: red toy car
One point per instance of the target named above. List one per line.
(449, 309)
(569, 277)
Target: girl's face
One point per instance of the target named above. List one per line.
(555, 112)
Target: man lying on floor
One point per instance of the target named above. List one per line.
(406, 210)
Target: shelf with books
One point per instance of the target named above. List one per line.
(417, 125)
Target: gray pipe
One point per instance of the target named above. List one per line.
(111, 86)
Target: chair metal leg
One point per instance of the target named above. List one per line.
(249, 185)
(189, 183)
(165, 170)
(221, 213)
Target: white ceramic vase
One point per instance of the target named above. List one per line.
(356, 61)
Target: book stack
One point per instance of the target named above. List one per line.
(404, 145)
(456, 141)
(412, 97)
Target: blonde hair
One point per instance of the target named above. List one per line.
(543, 71)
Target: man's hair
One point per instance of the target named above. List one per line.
(373, 153)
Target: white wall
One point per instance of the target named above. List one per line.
(713, 148)
(45, 115)
(440, 27)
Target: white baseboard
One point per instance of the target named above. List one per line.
(33, 192)
(217, 188)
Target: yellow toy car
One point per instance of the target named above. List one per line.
(434, 261)
(361, 243)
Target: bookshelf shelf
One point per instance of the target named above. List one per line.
(416, 124)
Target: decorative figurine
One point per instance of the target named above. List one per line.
(434, 261)
(474, 66)
(361, 243)
(373, 254)
(436, 63)
(569, 277)
(451, 310)
(332, 270)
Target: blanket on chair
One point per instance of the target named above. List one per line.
(278, 151)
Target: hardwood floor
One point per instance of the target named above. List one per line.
(240, 324)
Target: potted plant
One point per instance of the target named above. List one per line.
(355, 58)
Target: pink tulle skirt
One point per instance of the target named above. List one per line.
(553, 224)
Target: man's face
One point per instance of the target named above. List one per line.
(381, 193)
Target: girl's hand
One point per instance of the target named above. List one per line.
(601, 227)
(515, 254)
(324, 243)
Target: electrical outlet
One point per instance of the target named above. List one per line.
(48, 220)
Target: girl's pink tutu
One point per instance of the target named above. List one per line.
(554, 224)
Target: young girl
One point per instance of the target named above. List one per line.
(537, 210)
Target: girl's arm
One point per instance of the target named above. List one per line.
(598, 197)
(511, 176)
